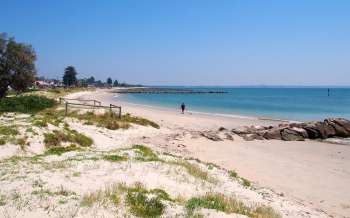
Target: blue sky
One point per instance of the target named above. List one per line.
(184, 42)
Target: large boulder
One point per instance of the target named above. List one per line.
(325, 130)
(344, 123)
(312, 131)
(274, 133)
(337, 124)
(291, 134)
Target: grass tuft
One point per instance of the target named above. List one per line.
(143, 205)
(55, 138)
(61, 150)
(8, 130)
(115, 158)
(228, 205)
(145, 153)
(233, 173)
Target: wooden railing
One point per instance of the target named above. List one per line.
(96, 104)
(82, 100)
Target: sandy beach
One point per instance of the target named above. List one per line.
(314, 173)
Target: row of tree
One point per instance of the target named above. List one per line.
(70, 79)
(17, 65)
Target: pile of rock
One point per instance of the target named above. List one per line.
(338, 127)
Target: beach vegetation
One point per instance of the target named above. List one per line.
(232, 173)
(225, 204)
(26, 104)
(111, 194)
(194, 170)
(58, 150)
(246, 182)
(115, 158)
(8, 130)
(139, 120)
(2, 200)
(144, 203)
(17, 69)
(145, 153)
(110, 120)
(2, 141)
(55, 138)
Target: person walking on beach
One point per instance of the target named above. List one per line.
(183, 107)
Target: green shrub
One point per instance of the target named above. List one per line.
(246, 182)
(115, 158)
(146, 154)
(232, 173)
(40, 123)
(2, 141)
(61, 150)
(8, 130)
(143, 206)
(139, 120)
(56, 137)
(25, 104)
(228, 205)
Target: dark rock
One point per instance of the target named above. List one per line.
(339, 129)
(344, 123)
(211, 136)
(325, 129)
(274, 133)
(222, 129)
(228, 136)
(291, 135)
(312, 131)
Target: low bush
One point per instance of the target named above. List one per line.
(115, 158)
(142, 205)
(111, 120)
(61, 150)
(25, 104)
(8, 130)
(145, 153)
(55, 138)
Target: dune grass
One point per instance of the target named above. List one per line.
(55, 138)
(146, 203)
(26, 104)
(114, 158)
(61, 150)
(8, 130)
(111, 121)
(225, 204)
(145, 153)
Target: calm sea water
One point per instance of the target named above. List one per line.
(280, 103)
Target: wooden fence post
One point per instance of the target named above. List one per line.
(66, 109)
(120, 112)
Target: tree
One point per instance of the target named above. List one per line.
(109, 81)
(115, 84)
(17, 65)
(70, 76)
(91, 80)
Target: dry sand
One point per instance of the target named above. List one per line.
(314, 173)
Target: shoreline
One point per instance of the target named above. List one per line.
(213, 114)
(289, 168)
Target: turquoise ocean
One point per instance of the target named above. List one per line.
(292, 103)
